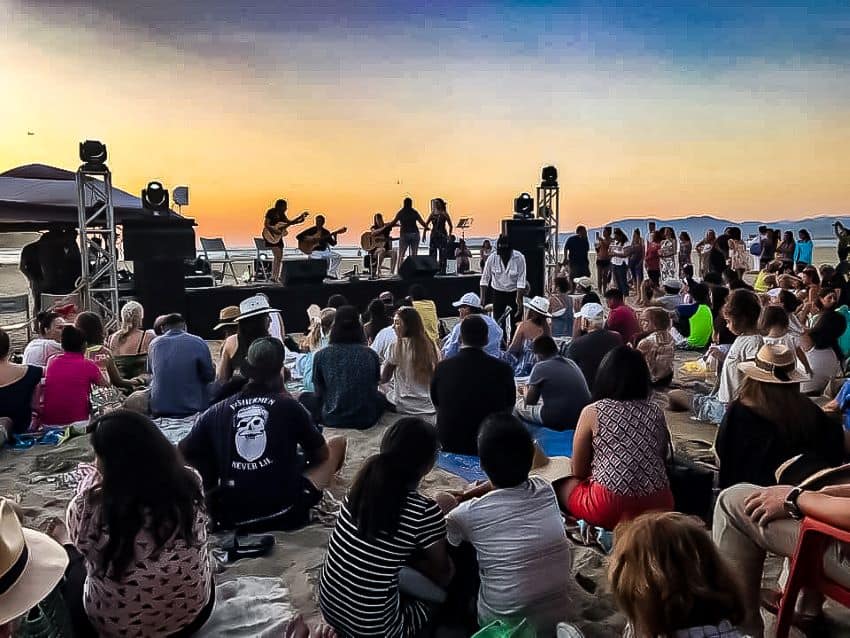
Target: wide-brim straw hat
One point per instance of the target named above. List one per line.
(774, 363)
(540, 305)
(31, 565)
(227, 317)
(584, 282)
(253, 306)
(550, 468)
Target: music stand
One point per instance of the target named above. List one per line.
(464, 223)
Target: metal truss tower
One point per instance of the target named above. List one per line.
(549, 210)
(98, 285)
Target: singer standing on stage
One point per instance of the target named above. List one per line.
(504, 274)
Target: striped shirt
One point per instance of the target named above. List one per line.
(359, 585)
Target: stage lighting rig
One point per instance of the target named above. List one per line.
(524, 207)
(93, 155)
(155, 198)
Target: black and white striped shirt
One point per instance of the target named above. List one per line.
(359, 585)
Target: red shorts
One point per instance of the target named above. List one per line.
(601, 507)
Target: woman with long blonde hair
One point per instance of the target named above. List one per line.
(410, 365)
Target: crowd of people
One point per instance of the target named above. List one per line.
(133, 556)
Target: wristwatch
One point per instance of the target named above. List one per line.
(791, 504)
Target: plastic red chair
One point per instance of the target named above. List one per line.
(807, 570)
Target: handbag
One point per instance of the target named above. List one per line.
(691, 483)
(507, 629)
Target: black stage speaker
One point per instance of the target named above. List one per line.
(528, 236)
(157, 238)
(160, 287)
(418, 267)
(304, 271)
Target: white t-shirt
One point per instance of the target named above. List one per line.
(744, 348)
(503, 278)
(383, 341)
(39, 350)
(618, 256)
(407, 395)
(523, 555)
(825, 366)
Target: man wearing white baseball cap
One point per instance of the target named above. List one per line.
(589, 349)
(470, 304)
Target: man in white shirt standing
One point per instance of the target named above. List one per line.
(504, 273)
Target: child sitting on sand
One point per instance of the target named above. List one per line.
(774, 326)
(657, 346)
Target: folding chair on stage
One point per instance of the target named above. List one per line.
(263, 261)
(215, 252)
(19, 306)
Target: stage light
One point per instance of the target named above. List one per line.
(93, 154)
(524, 207)
(549, 177)
(155, 198)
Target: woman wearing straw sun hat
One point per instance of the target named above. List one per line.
(252, 322)
(535, 324)
(770, 421)
(31, 566)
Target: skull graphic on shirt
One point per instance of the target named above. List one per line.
(251, 431)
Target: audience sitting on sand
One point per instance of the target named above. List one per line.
(468, 305)
(32, 590)
(669, 579)
(561, 308)
(246, 448)
(17, 387)
(742, 311)
(39, 350)
(181, 370)
(388, 560)
(410, 365)
(227, 325)
(590, 348)
(620, 447)
(91, 325)
(657, 346)
(345, 377)
(318, 337)
(534, 325)
(68, 381)
(469, 387)
(672, 297)
(621, 318)
(774, 326)
(427, 310)
(770, 422)
(131, 338)
(751, 521)
(526, 579)
(556, 392)
(696, 323)
(821, 344)
(141, 545)
(379, 317)
(337, 301)
(252, 323)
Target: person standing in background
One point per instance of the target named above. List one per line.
(620, 251)
(575, 255)
(636, 261)
(804, 248)
(667, 252)
(603, 259)
(486, 251)
(685, 248)
(739, 259)
(504, 274)
(704, 248)
(787, 249)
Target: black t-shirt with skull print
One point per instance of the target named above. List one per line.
(250, 443)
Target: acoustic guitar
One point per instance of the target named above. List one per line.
(274, 234)
(308, 243)
(370, 241)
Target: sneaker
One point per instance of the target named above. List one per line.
(568, 630)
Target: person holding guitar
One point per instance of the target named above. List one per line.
(316, 242)
(274, 230)
(378, 243)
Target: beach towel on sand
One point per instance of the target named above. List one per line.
(250, 606)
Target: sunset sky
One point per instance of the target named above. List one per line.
(345, 108)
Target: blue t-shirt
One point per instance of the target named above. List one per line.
(843, 401)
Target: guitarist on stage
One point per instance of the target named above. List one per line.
(380, 232)
(322, 239)
(274, 228)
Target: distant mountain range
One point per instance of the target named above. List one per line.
(697, 225)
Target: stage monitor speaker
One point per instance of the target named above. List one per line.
(528, 236)
(160, 287)
(418, 267)
(299, 272)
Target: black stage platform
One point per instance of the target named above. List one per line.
(203, 304)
